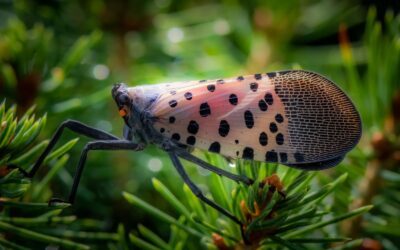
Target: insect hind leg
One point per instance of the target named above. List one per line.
(95, 145)
(189, 157)
(196, 191)
(78, 128)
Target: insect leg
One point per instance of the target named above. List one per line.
(96, 145)
(77, 127)
(189, 157)
(196, 191)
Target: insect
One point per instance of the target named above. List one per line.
(296, 118)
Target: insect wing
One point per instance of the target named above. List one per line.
(297, 118)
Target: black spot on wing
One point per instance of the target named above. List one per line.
(173, 103)
(205, 109)
(273, 127)
(188, 96)
(248, 119)
(258, 76)
(233, 99)
(215, 147)
(240, 78)
(268, 98)
(223, 129)
(191, 140)
(262, 105)
(263, 139)
(279, 139)
(283, 157)
(211, 87)
(279, 118)
(193, 127)
(172, 119)
(271, 156)
(254, 86)
(271, 74)
(248, 153)
(176, 137)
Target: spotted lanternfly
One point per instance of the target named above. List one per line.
(296, 118)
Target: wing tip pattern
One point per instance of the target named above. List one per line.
(324, 123)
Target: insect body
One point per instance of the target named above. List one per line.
(297, 118)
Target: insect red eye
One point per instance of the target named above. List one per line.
(122, 112)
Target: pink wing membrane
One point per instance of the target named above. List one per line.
(256, 117)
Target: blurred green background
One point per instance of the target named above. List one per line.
(64, 57)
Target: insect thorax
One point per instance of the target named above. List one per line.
(141, 120)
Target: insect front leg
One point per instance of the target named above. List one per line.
(78, 128)
(96, 145)
(189, 157)
(196, 191)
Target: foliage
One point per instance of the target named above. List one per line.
(17, 149)
(287, 213)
